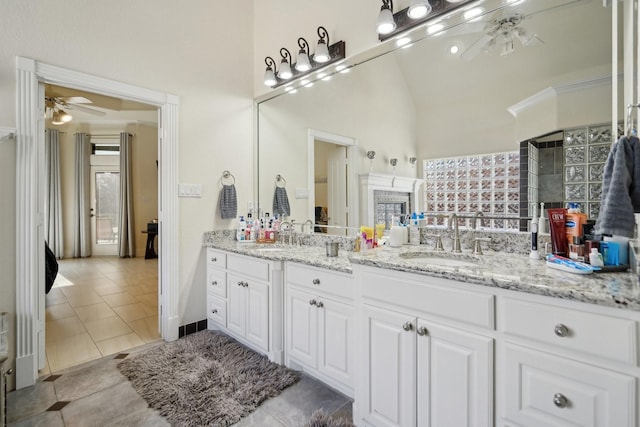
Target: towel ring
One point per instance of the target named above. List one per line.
(280, 180)
(227, 175)
(630, 108)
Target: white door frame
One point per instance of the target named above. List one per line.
(352, 177)
(30, 74)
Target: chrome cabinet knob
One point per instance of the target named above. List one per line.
(560, 400)
(313, 302)
(320, 304)
(214, 259)
(240, 283)
(214, 283)
(407, 326)
(316, 281)
(422, 331)
(561, 330)
(214, 311)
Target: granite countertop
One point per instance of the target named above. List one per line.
(497, 269)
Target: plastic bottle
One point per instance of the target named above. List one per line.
(241, 229)
(595, 258)
(414, 232)
(395, 236)
(574, 220)
(541, 221)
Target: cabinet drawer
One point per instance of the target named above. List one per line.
(604, 336)
(216, 258)
(319, 280)
(217, 309)
(217, 282)
(248, 266)
(545, 390)
(416, 293)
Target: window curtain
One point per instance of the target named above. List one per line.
(53, 199)
(126, 241)
(81, 221)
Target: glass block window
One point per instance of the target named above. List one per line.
(489, 183)
(585, 152)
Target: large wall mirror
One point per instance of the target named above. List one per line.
(425, 101)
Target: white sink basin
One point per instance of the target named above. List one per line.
(268, 249)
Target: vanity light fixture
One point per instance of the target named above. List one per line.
(303, 64)
(413, 161)
(285, 67)
(325, 54)
(393, 162)
(270, 72)
(419, 11)
(322, 50)
(386, 22)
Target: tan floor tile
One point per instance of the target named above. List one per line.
(123, 298)
(135, 290)
(81, 298)
(110, 327)
(108, 289)
(55, 296)
(146, 329)
(118, 344)
(63, 328)
(94, 312)
(149, 299)
(59, 311)
(71, 351)
(132, 312)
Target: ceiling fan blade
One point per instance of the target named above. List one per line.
(528, 39)
(477, 47)
(74, 100)
(84, 109)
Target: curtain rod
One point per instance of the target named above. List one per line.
(107, 135)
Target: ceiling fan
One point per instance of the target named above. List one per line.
(55, 108)
(502, 31)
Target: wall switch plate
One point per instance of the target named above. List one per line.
(189, 190)
(302, 193)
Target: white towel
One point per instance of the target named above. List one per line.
(228, 202)
(281, 202)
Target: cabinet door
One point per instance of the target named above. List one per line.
(389, 369)
(336, 339)
(455, 377)
(236, 305)
(302, 337)
(257, 310)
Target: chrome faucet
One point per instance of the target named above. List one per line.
(453, 221)
(475, 218)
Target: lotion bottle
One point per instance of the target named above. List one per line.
(541, 220)
(595, 258)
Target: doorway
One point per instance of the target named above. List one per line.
(30, 304)
(333, 181)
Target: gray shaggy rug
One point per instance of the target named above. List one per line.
(320, 418)
(205, 379)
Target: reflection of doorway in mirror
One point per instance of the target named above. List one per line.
(330, 182)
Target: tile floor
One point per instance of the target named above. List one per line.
(97, 394)
(100, 306)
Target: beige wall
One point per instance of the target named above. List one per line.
(193, 51)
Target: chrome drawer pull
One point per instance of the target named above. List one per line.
(320, 304)
(561, 330)
(560, 401)
(407, 326)
(214, 259)
(214, 283)
(241, 283)
(313, 302)
(422, 331)
(316, 281)
(214, 311)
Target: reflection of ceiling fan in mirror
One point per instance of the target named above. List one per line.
(501, 32)
(56, 108)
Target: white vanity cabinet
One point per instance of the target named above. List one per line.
(244, 299)
(564, 365)
(319, 324)
(419, 364)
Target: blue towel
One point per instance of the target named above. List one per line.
(228, 202)
(281, 202)
(620, 189)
